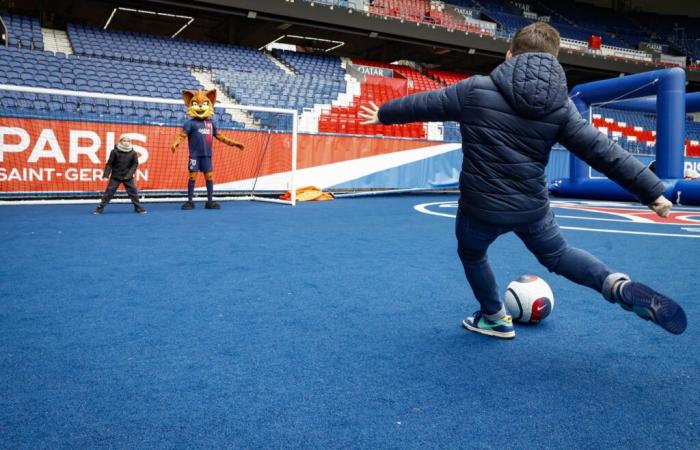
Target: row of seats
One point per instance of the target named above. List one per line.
(417, 81)
(344, 119)
(281, 91)
(46, 70)
(139, 47)
(82, 108)
(23, 32)
(318, 80)
(451, 133)
(446, 77)
(422, 11)
(512, 22)
(635, 130)
(577, 21)
(79, 73)
(329, 67)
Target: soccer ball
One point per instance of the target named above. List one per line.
(529, 299)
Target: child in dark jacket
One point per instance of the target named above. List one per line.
(120, 168)
(509, 121)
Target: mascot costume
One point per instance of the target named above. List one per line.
(200, 132)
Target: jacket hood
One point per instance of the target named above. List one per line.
(534, 84)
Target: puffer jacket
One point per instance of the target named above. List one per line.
(509, 121)
(121, 165)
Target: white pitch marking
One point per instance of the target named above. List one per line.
(631, 216)
(643, 233)
(689, 218)
(692, 230)
(423, 208)
(564, 204)
(601, 219)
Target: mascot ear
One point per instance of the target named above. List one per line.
(187, 96)
(211, 95)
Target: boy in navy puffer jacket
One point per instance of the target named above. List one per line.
(509, 121)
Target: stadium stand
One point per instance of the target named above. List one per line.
(343, 119)
(80, 73)
(143, 48)
(161, 67)
(417, 82)
(620, 34)
(446, 77)
(317, 80)
(312, 64)
(423, 11)
(279, 90)
(23, 32)
(635, 130)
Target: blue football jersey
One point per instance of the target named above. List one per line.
(200, 136)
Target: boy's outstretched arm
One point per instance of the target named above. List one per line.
(604, 155)
(432, 106)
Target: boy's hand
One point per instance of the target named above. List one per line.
(370, 114)
(173, 148)
(661, 206)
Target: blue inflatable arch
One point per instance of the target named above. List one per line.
(661, 92)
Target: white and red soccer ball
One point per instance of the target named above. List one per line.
(529, 299)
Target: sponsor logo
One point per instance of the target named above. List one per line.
(375, 71)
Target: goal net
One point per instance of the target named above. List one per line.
(55, 143)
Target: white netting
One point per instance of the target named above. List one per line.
(54, 143)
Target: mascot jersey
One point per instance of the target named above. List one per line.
(200, 135)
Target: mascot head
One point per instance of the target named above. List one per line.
(200, 104)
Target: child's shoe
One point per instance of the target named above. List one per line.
(188, 205)
(139, 210)
(211, 204)
(650, 305)
(501, 328)
(99, 210)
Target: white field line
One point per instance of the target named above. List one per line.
(423, 208)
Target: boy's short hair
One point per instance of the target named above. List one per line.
(537, 37)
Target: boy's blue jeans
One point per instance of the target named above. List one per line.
(542, 238)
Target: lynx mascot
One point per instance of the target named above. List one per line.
(200, 131)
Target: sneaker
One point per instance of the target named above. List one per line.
(187, 205)
(650, 305)
(99, 210)
(211, 204)
(139, 210)
(501, 328)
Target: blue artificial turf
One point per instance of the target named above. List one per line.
(326, 325)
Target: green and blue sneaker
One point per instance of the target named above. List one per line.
(501, 328)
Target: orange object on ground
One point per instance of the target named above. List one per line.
(308, 193)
